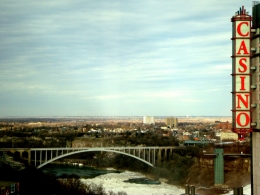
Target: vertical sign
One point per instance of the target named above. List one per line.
(241, 96)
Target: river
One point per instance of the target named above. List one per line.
(69, 170)
(112, 180)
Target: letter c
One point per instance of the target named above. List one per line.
(239, 29)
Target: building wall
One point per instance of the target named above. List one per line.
(255, 72)
(224, 125)
(148, 120)
(173, 122)
(256, 162)
(228, 135)
(255, 65)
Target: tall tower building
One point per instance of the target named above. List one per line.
(255, 65)
(255, 91)
(172, 122)
(246, 84)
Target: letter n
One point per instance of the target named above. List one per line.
(244, 99)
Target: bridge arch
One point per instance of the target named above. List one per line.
(93, 150)
(17, 155)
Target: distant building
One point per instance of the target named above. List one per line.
(148, 120)
(228, 135)
(172, 122)
(223, 125)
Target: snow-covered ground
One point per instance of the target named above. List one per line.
(115, 182)
(246, 190)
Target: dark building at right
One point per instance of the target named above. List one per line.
(246, 84)
(255, 97)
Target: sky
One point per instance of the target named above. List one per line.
(116, 58)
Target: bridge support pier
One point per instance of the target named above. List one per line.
(29, 157)
(21, 154)
(219, 166)
(159, 156)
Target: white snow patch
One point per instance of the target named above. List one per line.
(246, 190)
(115, 182)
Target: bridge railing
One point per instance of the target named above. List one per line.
(147, 154)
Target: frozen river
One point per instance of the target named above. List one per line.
(115, 182)
(246, 190)
(112, 180)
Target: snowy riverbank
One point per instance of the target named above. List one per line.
(115, 182)
(246, 190)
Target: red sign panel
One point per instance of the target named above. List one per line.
(241, 78)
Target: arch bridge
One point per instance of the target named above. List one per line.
(43, 156)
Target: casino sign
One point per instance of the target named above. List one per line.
(241, 77)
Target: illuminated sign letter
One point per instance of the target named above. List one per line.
(245, 101)
(242, 83)
(240, 120)
(239, 29)
(243, 47)
(244, 66)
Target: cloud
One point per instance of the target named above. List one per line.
(95, 52)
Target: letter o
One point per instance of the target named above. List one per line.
(238, 119)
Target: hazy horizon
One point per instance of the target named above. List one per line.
(112, 116)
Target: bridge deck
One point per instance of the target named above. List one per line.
(147, 154)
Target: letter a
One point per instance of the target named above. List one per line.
(242, 47)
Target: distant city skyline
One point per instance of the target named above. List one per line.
(116, 58)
